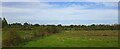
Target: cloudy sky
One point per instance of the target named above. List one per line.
(60, 0)
(61, 12)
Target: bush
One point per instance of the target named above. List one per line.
(53, 29)
(11, 38)
(46, 30)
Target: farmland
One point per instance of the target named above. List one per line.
(79, 38)
(0, 37)
(35, 35)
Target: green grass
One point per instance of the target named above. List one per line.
(0, 38)
(81, 38)
(21, 33)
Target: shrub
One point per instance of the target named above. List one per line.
(11, 38)
(53, 29)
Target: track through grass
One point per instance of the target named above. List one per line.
(81, 38)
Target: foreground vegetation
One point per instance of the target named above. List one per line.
(35, 35)
(80, 38)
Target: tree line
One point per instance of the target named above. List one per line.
(69, 27)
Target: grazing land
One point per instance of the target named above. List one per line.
(29, 35)
(0, 37)
(59, 24)
(78, 38)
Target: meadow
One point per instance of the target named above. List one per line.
(59, 24)
(35, 35)
(77, 38)
(0, 37)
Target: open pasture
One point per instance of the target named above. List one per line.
(78, 38)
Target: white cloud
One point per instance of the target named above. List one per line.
(15, 10)
(70, 13)
(110, 4)
(30, 7)
(73, 12)
(77, 14)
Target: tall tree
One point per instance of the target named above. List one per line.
(36, 25)
(0, 22)
(4, 22)
(27, 26)
(59, 25)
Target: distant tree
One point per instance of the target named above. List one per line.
(83, 25)
(0, 22)
(75, 25)
(26, 24)
(115, 27)
(93, 25)
(50, 25)
(59, 25)
(71, 25)
(15, 25)
(4, 23)
(36, 25)
(0, 19)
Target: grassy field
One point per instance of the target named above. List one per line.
(0, 37)
(78, 38)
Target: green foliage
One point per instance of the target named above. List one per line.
(15, 25)
(59, 25)
(27, 32)
(4, 23)
(11, 38)
(46, 30)
(36, 25)
(0, 22)
(75, 38)
(26, 26)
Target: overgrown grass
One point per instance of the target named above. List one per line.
(81, 38)
(0, 37)
(14, 36)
